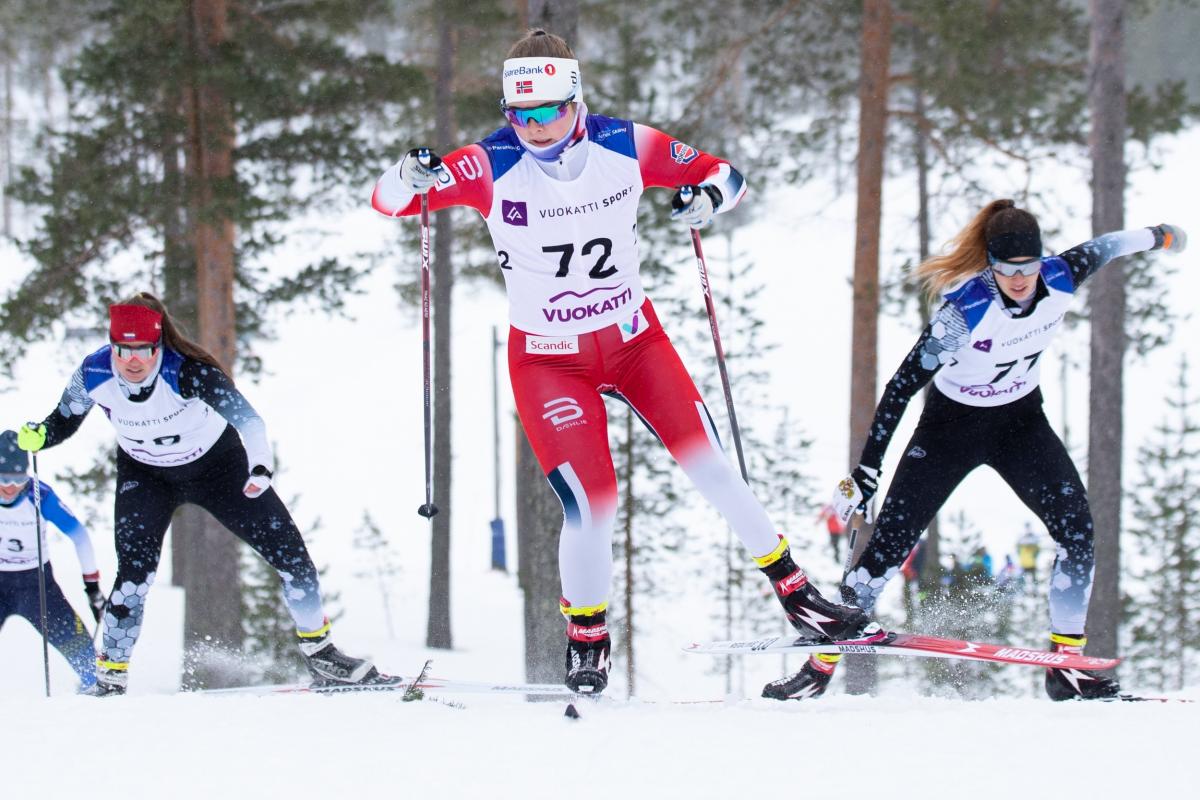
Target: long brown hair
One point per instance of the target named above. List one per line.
(172, 334)
(537, 43)
(968, 254)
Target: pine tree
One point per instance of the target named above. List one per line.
(379, 562)
(303, 106)
(36, 38)
(1163, 606)
(774, 445)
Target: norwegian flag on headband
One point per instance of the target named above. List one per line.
(134, 324)
(524, 87)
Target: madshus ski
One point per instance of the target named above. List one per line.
(414, 688)
(909, 644)
(1134, 698)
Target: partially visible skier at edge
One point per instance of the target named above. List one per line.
(1003, 305)
(559, 191)
(19, 561)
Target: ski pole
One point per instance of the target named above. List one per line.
(428, 509)
(851, 540)
(37, 517)
(867, 517)
(685, 195)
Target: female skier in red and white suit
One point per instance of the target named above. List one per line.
(559, 190)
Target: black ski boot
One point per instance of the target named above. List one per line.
(1077, 684)
(111, 680)
(807, 684)
(807, 610)
(588, 648)
(330, 666)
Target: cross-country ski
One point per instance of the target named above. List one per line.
(907, 644)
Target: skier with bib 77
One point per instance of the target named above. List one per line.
(1003, 304)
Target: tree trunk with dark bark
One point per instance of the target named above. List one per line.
(438, 630)
(630, 549)
(872, 144)
(209, 553)
(539, 524)
(6, 168)
(931, 564)
(1106, 141)
(539, 513)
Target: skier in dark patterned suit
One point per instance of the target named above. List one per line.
(1003, 305)
(185, 435)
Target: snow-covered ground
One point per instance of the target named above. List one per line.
(376, 746)
(155, 744)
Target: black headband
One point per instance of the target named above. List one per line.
(1008, 246)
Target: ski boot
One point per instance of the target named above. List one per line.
(330, 666)
(1077, 684)
(806, 609)
(588, 649)
(807, 684)
(111, 679)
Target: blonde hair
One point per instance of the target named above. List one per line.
(537, 43)
(172, 335)
(968, 253)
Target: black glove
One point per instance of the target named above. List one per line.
(96, 598)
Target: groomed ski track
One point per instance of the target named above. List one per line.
(375, 746)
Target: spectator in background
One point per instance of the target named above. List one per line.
(979, 567)
(1028, 549)
(836, 529)
(1008, 576)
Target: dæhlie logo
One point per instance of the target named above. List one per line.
(985, 345)
(550, 70)
(562, 410)
(514, 212)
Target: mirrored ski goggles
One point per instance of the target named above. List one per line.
(143, 352)
(9, 479)
(545, 114)
(1010, 268)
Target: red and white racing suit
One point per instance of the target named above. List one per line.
(565, 233)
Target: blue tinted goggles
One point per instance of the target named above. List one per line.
(545, 114)
(1010, 268)
(13, 478)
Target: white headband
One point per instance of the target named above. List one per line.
(541, 80)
